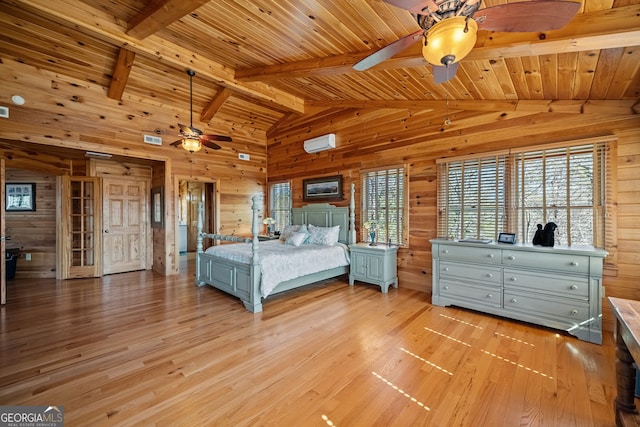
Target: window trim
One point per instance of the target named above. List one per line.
(609, 204)
(405, 205)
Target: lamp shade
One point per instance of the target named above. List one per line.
(191, 144)
(447, 41)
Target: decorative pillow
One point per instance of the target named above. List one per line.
(296, 239)
(327, 236)
(288, 231)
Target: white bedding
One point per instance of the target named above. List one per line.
(280, 262)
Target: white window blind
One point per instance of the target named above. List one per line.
(384, 202)
(513, 192)
(280, 204)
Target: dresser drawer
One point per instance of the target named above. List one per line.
(567, 286)
(485, 255)
(574, 311)
(475, 295)
(470, 272)
(565, 263)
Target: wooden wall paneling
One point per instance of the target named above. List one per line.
(34, 233)
(399, 136)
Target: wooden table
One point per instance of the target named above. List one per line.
(627, 350)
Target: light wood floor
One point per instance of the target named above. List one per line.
(142, 349)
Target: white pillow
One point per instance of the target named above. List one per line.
(327, 236)
(296, 239)
(288, 231)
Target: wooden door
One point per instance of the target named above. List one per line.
(195, 197)
(125, 223)
(79, 235)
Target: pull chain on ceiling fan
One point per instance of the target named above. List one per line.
(193, 139)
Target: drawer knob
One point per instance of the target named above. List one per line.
(490, 296)
(514, 300)
(513, 279)
(574, 287)
(489, 275)
(490, 255)
(446, 251)
(512, 258)
(445, 288)
(574, 311)
(446, 269)
(574, 263)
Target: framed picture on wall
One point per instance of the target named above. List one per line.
(20, 197)
(320, 189)
(157, 205)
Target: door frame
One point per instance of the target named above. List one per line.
(215, 201)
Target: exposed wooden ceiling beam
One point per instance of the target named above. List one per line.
(619, 107)
(102, 26)
(121, 73)
(610, 28)
(157, 14)
(215, 104)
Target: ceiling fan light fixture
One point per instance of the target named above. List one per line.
(450, 40)
(191, 144)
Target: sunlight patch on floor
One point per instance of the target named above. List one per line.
(399, 390)
(426, 361)
(519, 365)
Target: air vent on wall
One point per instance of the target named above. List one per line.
(4, 112)
(320, 143)
(155, 140)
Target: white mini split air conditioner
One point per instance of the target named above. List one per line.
(320, 143)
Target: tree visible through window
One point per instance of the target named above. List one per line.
(513, 192)
(384, 203)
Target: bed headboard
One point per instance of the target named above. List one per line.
(326, 215)
(323, 215)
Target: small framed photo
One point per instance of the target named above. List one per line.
(20, 197)
(509, 238)
(325, 188)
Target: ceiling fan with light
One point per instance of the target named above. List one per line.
(193, 139)
(449, 27)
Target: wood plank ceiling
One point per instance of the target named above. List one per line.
(260, 62)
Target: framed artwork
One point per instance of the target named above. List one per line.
(157, 207)
(320, 189)
(20, 197)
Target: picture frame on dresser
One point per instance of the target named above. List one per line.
(509, 238)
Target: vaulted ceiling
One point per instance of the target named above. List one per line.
(261, 62)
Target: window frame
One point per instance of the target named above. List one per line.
(281, 215)
(384, 215)
(602, 196)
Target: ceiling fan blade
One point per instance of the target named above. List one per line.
(176, 143)
(415, 6)
(388, 51)
(223, 138)
(210, 144)
(442, 74)
(189, 130)
(542, 15)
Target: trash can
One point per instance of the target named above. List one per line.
(11, 259)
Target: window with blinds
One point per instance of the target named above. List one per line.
(280, 204)
(515, 191)
(384, 202)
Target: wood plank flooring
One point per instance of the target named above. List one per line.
(142, 349)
